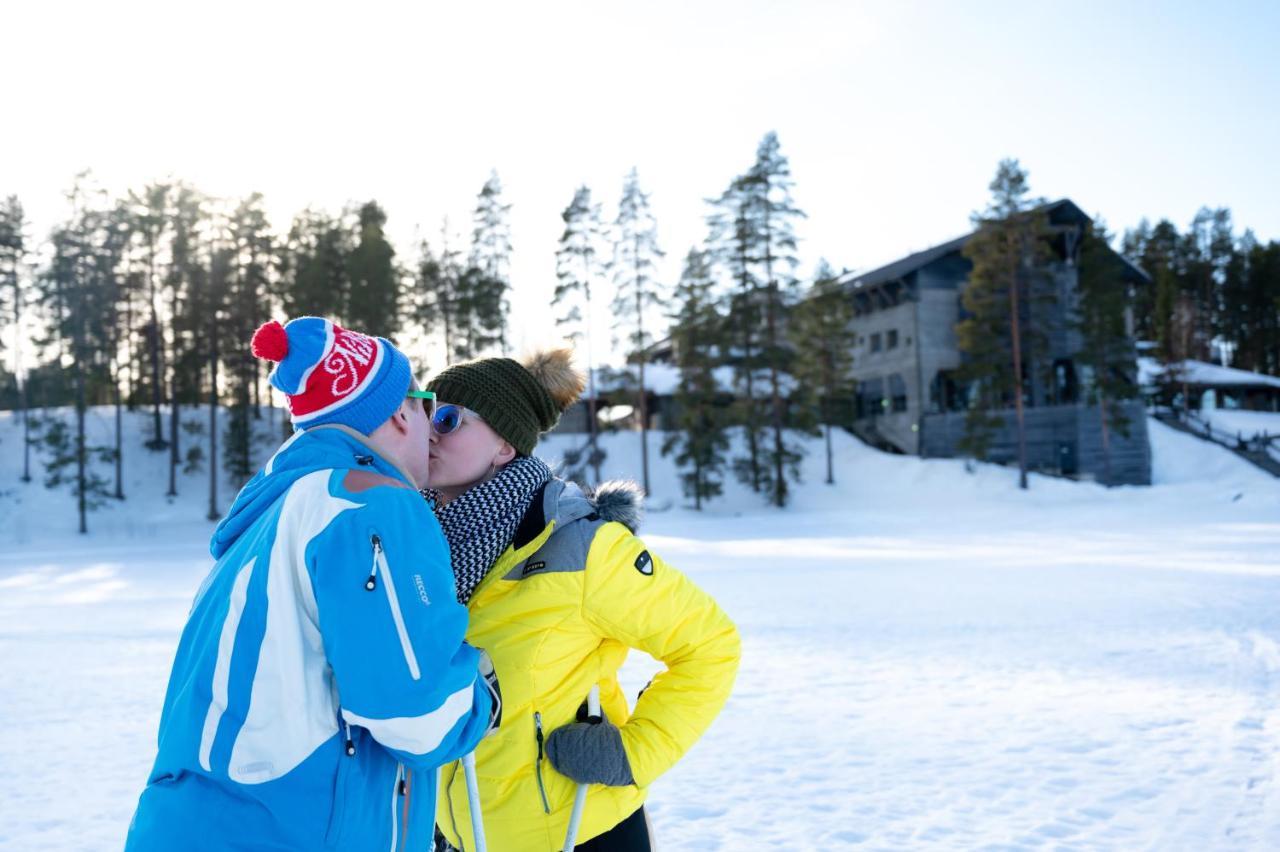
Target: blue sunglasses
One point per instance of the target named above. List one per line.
(449, 418)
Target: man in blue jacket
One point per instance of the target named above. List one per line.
(322, 676)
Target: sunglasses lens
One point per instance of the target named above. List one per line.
(448, 418)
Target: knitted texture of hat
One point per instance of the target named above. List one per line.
(504, 394)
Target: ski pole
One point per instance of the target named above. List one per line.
(580, 798)
(473, 800)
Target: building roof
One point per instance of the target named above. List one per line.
(1203, 374)
(1063, 210)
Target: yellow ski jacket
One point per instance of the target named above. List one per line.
(558, 613)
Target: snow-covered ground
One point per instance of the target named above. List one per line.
(932, 659)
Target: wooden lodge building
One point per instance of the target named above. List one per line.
(909, 399)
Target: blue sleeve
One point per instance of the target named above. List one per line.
(393, 629)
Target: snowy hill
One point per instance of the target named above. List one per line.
(867, 481)
(932, 658)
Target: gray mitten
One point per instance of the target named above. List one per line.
(590, 753)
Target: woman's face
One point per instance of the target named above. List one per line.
(466, 455)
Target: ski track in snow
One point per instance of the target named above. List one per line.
(930, 661)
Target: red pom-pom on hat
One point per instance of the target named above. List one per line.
(271, 342)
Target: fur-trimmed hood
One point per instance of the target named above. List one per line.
(620, 500)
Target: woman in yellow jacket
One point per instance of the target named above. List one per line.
(559, 588)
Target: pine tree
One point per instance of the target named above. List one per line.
(13, 289)
(150, 209)
(579, 265)
(1252, 296)
(731, 244)
(491, 259)
(698, 437)
(999, 334)
(439, 302)
(184, 220)
(374, 298)
(1207, 249)
(772, 216)
(823, 339)
(637, 292)
(312, 267)
(77, 289)
(1106, 350)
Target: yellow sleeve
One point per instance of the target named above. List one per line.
(631, 595)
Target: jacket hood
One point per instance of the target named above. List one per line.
(620, 500)
(328, 447)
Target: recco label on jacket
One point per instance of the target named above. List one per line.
(644, 564)
(530, 567)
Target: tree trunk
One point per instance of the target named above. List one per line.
(593, 426)
(643, 407)
(1106, 440)
(173, 441)
(1016, 335)
(831, 476)
(26, 434)
(213, 514)
(157, 442)
(119, 495)
(81, 497)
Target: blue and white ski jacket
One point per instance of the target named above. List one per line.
(322, 677)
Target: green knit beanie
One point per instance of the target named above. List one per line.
(520, 401)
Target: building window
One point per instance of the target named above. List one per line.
(870, 398)
(891, 339)
(875, 342)
(1065, 383)
(897, 393)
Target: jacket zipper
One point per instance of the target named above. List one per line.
(380, 567)
(542, 791)
(350, 745)
(402, 789)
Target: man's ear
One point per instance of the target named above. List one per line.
(400, 420)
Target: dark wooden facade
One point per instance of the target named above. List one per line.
(906, 358)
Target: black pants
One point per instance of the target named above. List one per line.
(630, 835)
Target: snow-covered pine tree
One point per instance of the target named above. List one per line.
(1000, 336)
(579, 266)
(699, 436)
(820, 332)
(638, 293)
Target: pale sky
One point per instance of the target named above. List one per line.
(893, 114)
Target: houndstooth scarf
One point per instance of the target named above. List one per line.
(481, 522)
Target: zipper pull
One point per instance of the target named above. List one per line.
(403, 786)
(537, 723)
(372, 583)
(351, 743)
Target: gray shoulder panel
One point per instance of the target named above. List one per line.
(564, 552)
